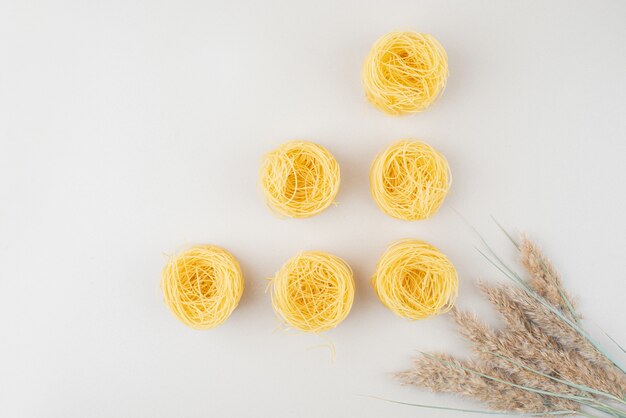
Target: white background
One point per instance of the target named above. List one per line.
(130, 130)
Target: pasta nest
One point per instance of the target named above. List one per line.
(405, 72)
(410, 180)
(415, 280)
(202, 286)
(299, 179)
(313, 291)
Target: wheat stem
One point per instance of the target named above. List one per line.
(477, 411)
(583, 400)
(565, 382)
(575, 398)
(515, 277)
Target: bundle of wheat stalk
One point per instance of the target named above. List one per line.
(542, 362)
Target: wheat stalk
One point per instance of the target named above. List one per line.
(553, 358)
(544, 279)
(452, 376)
(486, 340)
(540, 362)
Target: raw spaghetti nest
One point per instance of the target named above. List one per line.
(299, 179)
(415, 280)
(202, 286)
(405, 72)
(313, 291)
(410, 180)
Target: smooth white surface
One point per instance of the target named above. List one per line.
(131, 129)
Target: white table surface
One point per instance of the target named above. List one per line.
(132, 129)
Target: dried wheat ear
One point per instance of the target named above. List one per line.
(540, 362)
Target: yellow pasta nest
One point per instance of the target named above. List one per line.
(414, 280)
(299, 179)
(202, 286)
(313, 291)
(410, 180)
(405, 72)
